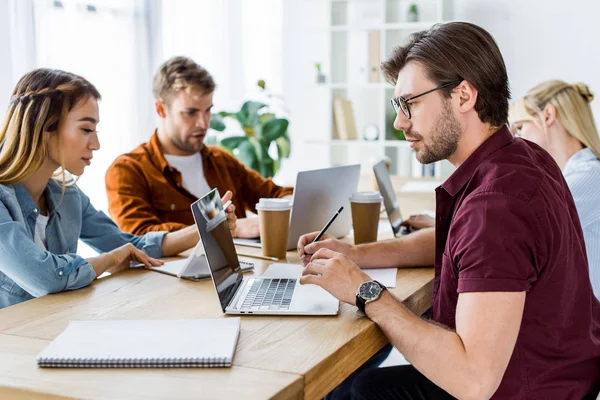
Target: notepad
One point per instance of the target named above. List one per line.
(144, 344)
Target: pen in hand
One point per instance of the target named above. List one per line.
(322, 232)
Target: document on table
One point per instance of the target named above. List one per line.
(385, 276)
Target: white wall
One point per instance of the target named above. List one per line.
(6, 66)
(540, 40)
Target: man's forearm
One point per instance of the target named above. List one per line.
(437, 352)
(414, 250)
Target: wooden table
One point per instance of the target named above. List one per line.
(276, 357)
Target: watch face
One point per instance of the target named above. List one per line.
(369, 290)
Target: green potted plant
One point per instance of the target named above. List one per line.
(265, 141)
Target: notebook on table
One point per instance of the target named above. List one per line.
(144, 344)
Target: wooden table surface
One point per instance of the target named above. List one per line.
(276, 356)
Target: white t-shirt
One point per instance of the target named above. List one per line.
(192, 173)
(39, 236)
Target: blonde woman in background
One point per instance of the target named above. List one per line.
(50, 126)
(557, 116)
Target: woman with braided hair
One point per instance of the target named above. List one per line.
(48, 137)
(557, 116)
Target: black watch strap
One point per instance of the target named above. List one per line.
(361, 303)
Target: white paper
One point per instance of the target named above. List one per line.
(420, 186)
(385, 276)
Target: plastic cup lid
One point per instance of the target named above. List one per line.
(366, 197)
(273, 204)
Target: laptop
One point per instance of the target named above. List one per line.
(279, 294)
(318, 195)
(390, 200)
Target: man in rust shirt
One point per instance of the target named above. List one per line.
(513, 315)
(152, 188)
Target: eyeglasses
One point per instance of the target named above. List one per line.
(402, 103)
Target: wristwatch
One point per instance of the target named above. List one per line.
(367, 292)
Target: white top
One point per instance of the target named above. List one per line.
(39, 236)
(192, 173)
(582, 173)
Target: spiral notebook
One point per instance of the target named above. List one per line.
(144, 344)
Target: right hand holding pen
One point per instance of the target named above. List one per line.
(306, 249)
(123, 256)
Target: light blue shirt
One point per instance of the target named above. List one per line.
(582, 173)
(27, 271)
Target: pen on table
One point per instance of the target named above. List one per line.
(320, 234)
(258, 256)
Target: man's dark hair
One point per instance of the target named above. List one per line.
(458, 51)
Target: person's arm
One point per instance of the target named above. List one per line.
(419, 221)
(414, 250)
(37, 271)
(101, 233)
(468, 363)
(129, 201)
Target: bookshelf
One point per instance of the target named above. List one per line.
(360, 34)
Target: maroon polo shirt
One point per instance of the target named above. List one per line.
(506, 222)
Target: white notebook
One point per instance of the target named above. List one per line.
(144, 344)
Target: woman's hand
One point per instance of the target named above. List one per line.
(122, 257)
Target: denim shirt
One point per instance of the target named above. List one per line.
(27, 271)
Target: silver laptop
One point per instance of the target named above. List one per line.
(390, 200)
(278, 294)
(318, 195)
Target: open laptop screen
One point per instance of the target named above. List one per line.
(389, 196)
(218, 245)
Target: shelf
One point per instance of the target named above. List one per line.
(412, 26)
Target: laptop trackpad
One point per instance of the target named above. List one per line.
(308, 298)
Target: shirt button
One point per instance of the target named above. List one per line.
(172, 207)
(35, 210)
(60, 273)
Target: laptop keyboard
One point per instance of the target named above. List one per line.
(270, 294)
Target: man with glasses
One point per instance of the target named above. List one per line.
(513, 312)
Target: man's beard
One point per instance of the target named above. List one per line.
(189, 147)
(443, 137)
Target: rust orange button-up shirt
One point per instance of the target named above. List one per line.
(146, 194)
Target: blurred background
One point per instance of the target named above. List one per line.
(319, 60)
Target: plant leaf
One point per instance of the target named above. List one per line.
(216, 122)
(266, 117)
(283, 146)
(233, 142)
(267, 166)
(248, 114)
(274, 129)
(247, 155)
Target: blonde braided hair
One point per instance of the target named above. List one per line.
(39, 105)
(572, 103)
